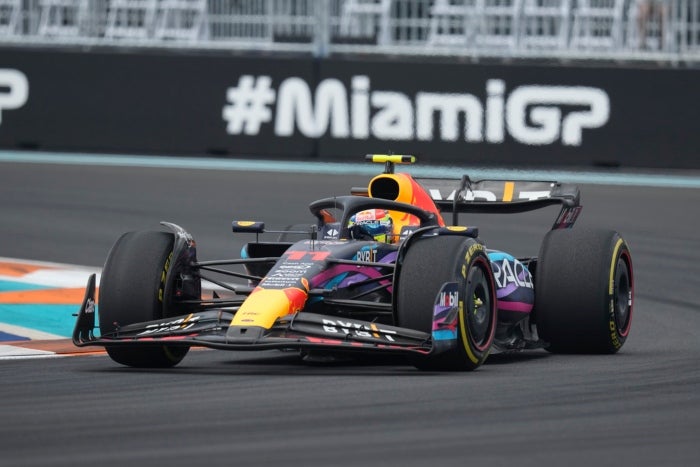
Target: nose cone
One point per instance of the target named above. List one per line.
(264, 306)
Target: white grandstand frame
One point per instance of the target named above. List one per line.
(474, 29)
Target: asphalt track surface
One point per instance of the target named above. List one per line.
(639, 407)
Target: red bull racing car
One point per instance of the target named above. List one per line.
(387, 269)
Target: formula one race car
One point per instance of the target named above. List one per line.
(379, 271)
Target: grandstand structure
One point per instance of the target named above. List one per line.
(614, 30)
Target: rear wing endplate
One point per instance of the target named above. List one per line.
(503, 196)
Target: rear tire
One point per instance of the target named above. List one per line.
(429, 263)
(131, 291)
(584, 291)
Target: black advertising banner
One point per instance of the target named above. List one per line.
(340, 108)
(140, 102)
(515, 114)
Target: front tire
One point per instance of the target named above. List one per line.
(584, 291)
(132, 288)
(429, 263)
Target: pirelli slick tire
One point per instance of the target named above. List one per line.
(428, 264)
(131, 291)
(584, 291)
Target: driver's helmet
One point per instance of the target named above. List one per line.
(372, 224)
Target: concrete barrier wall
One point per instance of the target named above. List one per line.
(297, 107)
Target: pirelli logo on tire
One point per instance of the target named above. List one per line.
(476, 247)
(163, 277)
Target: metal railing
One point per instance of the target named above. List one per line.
(624, 30)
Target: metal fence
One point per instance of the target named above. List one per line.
(658, 30)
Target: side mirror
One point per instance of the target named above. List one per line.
(248, 227)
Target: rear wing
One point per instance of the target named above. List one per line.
(503, 196)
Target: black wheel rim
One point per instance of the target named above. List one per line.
(622, 295)
(478, 307)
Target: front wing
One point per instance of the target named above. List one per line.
(302, 331)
